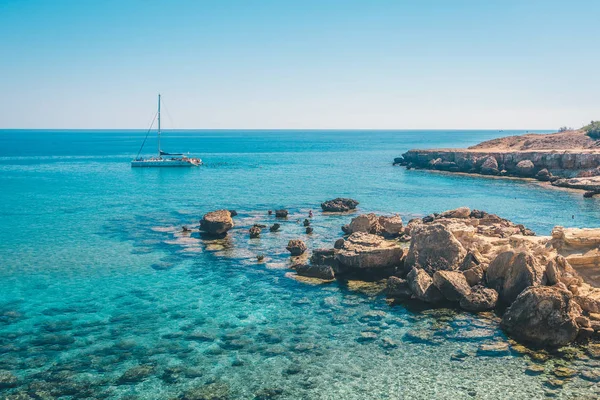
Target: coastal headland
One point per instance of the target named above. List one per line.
(569, 159)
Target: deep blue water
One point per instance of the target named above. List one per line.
(95, 278)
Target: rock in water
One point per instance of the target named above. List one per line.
(339, 205)
(452, 284)
(398, 288)
(422, 286)
(543, 315)
(306, 222)
(217, 222)
(339, 243)
(363, 250)
(281, 213)
(511, 272)
(296, 247)
(274, 227)
(480, 299)
(434, 248)
(324, 272)
(255, 231)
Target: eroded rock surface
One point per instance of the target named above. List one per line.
(544, 316)
(217, 222)
(434, 248)
(364, 250)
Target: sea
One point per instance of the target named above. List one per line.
(103, 297)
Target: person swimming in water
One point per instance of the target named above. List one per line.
(310, 214)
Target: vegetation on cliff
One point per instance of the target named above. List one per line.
(593, 129)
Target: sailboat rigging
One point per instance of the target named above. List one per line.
(164, 159)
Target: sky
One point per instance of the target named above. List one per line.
(300, 64)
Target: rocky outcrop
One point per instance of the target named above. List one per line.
(568, 159)
(422, 287)
(339, 205)
(544, 316)
(479, 299)
(296, 247)
(216, 223)
(324, 272)
(511, 272)
(363, 250)
(581, 249)
(323, 257)
(388, 226)
(489, 166)
(525, 168)
(452, 284)
(398, 288)
(434, 248)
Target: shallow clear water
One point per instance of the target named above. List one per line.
(96, 280)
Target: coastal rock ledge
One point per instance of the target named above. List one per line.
(568, 159)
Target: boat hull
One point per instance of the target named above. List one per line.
(162, 163)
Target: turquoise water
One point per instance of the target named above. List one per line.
(102, 297)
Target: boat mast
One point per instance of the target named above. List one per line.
(159, 125)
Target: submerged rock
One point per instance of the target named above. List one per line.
(296, 247)
(434, 248)
(363, 250)
(398, 288)
(324, 272)
(544, 316)
(217, 222)
(339, 205)
(8, 380)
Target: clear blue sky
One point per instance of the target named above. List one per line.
(300, 64)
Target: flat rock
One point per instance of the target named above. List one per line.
(364, 250)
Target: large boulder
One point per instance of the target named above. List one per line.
(216, 222)
(452, 284)
(398, 288)
(339, 205)
(511, 272)
(434, 248)
(544, 316)
(324, 272)
(296, 247)
(364, 250)
(489, 166)
(525, 168)
(368, 223)
(422, 287)
(461, 212)
(391, 226)
(479, 299)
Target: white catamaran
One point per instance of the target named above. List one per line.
(164, 159)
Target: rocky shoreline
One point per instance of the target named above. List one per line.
(573, 170)
(568, 159)
(544, 288)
